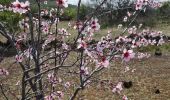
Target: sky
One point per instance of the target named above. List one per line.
(75, 1)
(85, 1)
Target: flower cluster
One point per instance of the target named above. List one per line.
(62, 3)
(49, 39)
(23, 24)
(53, 79)
(3, 72)
(118, 88)
(55, 95)
(45, 27)
(5, 8)
(140, 3)
(144, 38)
(63, 33)
(1, 7)
(28, 53)
(20, 7)
(142, 55)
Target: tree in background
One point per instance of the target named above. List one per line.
(164, 12)
(114, 10)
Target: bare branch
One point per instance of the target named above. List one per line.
(39, 74)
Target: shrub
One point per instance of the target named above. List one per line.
(5, 2)
(10, 19)
(69, 14)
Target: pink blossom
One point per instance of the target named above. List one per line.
(103, 63)
(78, 25)
(81, 44)
(44, 12)
(3, 71)
(144, 42)
(120, 39)
(45, 27)
(127, 69)
(127, 55)
(60, 95)
(57, 20)
(18, 43)
(45, 2)
(51, 78)
(1, 7)
(139, 4)
(124, 97)
(153, 42)
(132, 30)
(22, 36)
(65, 46)
(134, 44)
(84, 70)
(161, 41)
(64, 33)
(67, 84)
(50, 97)
(129, 14)
(119, 26)
(55, 96)
(118, 88)
(28, 53)
(94, 24)
(23, 24)
(101, 45)
(143, 55)
(125, 19)
(49, 39)
(62, 3)
(20, 7)
(19, 58)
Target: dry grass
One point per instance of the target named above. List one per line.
(151, 74)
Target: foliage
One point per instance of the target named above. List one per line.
(163, 12)
(5, 2)
(69, 14)
(10, 19)
(84, 11)
(165, 9)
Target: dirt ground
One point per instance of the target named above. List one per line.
(151, 80)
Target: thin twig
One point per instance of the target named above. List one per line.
(43, 72)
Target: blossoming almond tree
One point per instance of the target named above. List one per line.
(43, 50)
